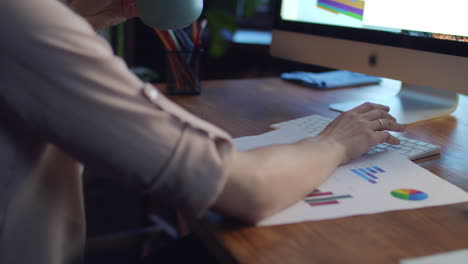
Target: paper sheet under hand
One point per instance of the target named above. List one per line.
(452, 257)
(375, 183)
(284, 135)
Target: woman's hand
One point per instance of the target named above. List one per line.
(104, 13)
(359, 129)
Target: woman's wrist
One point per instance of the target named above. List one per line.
(330, 146)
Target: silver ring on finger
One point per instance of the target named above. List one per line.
(381, 123)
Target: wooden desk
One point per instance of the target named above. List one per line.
(247, 107)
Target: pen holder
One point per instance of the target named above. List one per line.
(183, 71)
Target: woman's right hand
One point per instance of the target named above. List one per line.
(359, 129)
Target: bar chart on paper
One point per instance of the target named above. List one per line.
(371, 184)
(369, 173)
(318, 198)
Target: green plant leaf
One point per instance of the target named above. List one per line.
(227, 5)
(250, 6)
(219, 22)
(221, 17)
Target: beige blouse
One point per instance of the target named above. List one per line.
(62, 86)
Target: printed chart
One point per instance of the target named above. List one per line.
(370, 174)
(371, 184)
(317, 198)
(409, 194)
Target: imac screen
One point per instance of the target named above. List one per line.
(418, 18)
(422, 43)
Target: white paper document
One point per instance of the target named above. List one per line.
(452, 257)
(371, 184)
(285, 135)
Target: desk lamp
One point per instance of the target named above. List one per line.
(159, 14)
(169, 14)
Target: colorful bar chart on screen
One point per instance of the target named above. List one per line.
(370, 174)
(351, 8)
(317, 198)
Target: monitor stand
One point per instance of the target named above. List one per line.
(412, 104)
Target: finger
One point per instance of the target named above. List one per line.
(378, 124)
(385, 137)
(365, 107)
(388, 124)
(394, 126)
(377, 113)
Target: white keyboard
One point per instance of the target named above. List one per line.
(411, 148)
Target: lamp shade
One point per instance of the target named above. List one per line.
(169, 14)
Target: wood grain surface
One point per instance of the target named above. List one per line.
(248, 106)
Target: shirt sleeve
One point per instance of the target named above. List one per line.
(63, 81)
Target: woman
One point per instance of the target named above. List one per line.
(66, 97)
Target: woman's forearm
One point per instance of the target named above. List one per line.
(266, 180)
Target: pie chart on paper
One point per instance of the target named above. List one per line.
(409, 194)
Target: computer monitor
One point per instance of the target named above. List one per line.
(422, 43)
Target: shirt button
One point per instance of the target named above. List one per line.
(151, 93)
